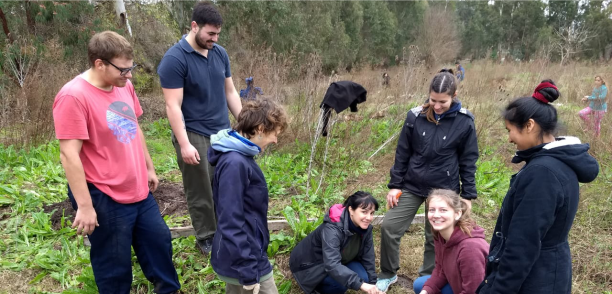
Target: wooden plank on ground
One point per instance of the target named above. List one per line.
(273, 225)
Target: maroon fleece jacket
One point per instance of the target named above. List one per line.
(460, 262)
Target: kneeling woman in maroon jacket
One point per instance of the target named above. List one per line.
(459, 244)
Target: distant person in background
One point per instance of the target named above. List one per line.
(460, 74)
(109, 171)
(598, 106)
(461, 249)
(339, 254)
(251, 92)
(529, 251)
(240, 247)
(386, 80)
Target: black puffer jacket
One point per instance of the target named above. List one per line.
(430, 156)
(320, 254)
(529, 250)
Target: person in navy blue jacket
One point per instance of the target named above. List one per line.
(240, 192)
(529, 251)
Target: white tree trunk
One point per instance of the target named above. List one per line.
(122, 14)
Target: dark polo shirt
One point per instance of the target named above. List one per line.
(203, 81)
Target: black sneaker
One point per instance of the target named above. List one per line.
(205, 245)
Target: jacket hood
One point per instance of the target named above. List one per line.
(568, 150)
(335, 213)
(229, 140)
(458, 235)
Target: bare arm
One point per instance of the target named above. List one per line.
(152, 177)
(86, 219)
(174, 100)
(233, 99)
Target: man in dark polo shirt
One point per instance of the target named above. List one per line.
(198, 88)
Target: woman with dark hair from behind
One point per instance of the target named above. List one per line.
(437, 149)
(339, 254)
(529, 251)
(239, 251)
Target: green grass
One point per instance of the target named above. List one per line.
(32, 178)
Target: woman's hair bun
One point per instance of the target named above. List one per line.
(448, 70)
(550, 93)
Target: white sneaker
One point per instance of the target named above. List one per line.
(383, 284)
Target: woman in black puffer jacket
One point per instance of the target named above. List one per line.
(339, 254)
(437, 149)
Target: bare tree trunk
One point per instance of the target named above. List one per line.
(5, 27)
(29, 17)
(122, 14)
(120, 10)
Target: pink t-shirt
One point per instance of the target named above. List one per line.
(106, 121)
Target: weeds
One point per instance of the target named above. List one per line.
(31, 178)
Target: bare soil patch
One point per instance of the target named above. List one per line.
(170, 198)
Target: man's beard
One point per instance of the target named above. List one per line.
(203, 44)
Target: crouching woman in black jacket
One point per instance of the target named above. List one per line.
(339, 254)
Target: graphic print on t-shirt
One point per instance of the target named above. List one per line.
(122, 121)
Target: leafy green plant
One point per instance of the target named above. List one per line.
(284, 287)
(279, 241)
(492, 180)
(299, 223)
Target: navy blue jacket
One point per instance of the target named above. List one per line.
(441, 156)
(529, 251)
(241, 241)
(202, 79)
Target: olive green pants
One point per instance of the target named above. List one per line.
(197, 182)
(397, 220)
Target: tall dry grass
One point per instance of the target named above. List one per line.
(26, 116)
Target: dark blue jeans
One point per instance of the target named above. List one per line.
(420, 282)
(122, 226)
(331, 286)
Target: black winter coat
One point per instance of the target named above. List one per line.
(529, 251)
(319, 255)
(430, 156)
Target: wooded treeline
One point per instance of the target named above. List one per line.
(344, 34)
(350, 33)
(43, 43)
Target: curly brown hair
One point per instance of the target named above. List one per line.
(261, 113)
(465, 222)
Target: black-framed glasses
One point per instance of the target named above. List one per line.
(124, 70)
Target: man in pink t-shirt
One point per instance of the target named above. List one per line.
(110, 173)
